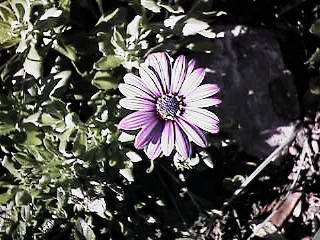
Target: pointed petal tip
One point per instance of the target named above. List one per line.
(168, 138)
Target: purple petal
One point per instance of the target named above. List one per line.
(148, 133)
(191, 66)
(136, 120)
(161, 63)
(133, 91)
(202, 118)
(154, 148)
(192, 81)
(167, 138)
(151, 80)
(137, 104)
(134, 80)
(193, 132)
(182, 143)
(205, 102)
(178, 74)
(203, 91)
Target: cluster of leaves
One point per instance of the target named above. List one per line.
(64, 163)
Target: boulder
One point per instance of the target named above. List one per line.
(259, 95)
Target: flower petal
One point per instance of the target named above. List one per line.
(148, 133)
(136, 120)
(154, 148)
(192, 81)
(133, 91)
(161, 63)
(134, 80)
(202, 118)
(193, 132)
(191, 66)
(151, 80)
(167, 138)
(205, 102)
(137, 104)
(182, 142)
(203, 91)
(178, 74)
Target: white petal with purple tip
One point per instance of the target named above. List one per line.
(161, 63)
(205, 102)
(151, 80)
(133, 80)
(136, 120)
(137, 104)
(167, 138)
(192, 81)
(202, 118)
(193, 132)
(191, 66)
(133, 91)
(203, 91)
(154, 148)
(178, 74)
(182, 142)
(148, 133)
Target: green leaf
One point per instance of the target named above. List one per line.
(315, 28)
(59, 82)
(133, 156)
(5, 197)
(64, 138)
(6, 13)
(21, 9)
(25, 213)
(32, 118)
(134, 25)
(33, 138)
(108, 62)
(125, 137)
(107, 17)
(104, 42)
(193, 26)
(65, 5)
(47, 120)
(151, 5)
(315, 58)
(104, 81)
(85, 230)
(80, 143)
(6, 128)
(117, 40)
(99, 207)
(51, 13)
(127, 173)
(22, 198)
(171, 9)
(33, 62)
(7, 38)
(67, 50)
(173, 20)
(22, 158)
(9, 165)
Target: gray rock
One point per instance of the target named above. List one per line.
(258, 92)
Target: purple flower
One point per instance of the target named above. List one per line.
(169, 105)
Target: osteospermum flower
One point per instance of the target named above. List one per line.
(169, 105)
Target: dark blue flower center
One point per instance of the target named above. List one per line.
(168, 106)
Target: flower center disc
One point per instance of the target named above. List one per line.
(168, 106)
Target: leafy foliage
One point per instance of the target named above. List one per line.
(62, 163)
